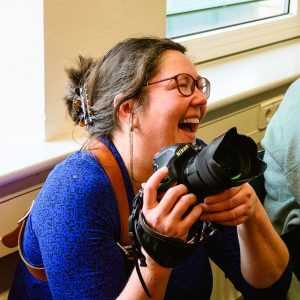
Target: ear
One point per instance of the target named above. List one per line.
(117, 99)
(125, 110)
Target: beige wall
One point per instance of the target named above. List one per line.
(88, 27)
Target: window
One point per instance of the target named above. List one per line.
(215, 28)
(190, 17)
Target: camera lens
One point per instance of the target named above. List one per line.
(230, 163)
(229, 160)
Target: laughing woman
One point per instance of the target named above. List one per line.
(143, 95)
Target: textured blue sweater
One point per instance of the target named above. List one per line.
(72, 231)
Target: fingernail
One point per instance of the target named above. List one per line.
(164, 169)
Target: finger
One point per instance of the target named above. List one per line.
(171, 197)
(150, 188)
(182, 206)
(192, 217)
(224, 216)
(183, 226)
(224, 205)
(222, 195)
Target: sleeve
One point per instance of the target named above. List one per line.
(291, 125)
(224, 250)
(76, 221)
(282, 138)
(281, 143)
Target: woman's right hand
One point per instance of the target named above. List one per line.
(168, 215)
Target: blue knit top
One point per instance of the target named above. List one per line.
(72, 231)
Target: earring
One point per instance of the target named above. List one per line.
(131, 146)
(131, 123)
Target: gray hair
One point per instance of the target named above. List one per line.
(123, 70)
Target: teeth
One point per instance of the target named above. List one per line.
(190, 120)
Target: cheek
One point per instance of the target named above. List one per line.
(166, 117)
(159, 131)
(203, 110)
(161, 115)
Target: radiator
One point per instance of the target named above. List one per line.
(251, 120)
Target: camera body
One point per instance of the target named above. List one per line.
(229, 160)
(176, 158)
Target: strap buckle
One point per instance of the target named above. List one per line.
(27, 213)
(127, 250)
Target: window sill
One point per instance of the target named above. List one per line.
(21, 159)
(248, 74)
(233, 79)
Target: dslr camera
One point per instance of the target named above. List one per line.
(229, 160)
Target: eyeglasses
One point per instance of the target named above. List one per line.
(185, 84)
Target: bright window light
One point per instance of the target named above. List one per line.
(194, 16)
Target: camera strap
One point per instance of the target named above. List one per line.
(112, 170)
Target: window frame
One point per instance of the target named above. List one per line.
(219, 43)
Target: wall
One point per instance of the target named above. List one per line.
(73, 28)
(250, 116)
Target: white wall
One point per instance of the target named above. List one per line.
(88, 28)
(22, 69)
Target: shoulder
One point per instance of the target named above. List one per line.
(282, 131)
(77, 191)
(290, 103)
(294, 89)
(80, 165)
(79, 180)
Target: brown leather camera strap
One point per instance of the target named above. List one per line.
(37, 272)
(10, 239)
(112, 170)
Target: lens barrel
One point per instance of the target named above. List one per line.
(230, 160)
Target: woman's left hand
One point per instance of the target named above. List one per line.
(230, 207)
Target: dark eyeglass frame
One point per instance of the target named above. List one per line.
(204, 81)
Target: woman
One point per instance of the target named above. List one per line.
(139, 103)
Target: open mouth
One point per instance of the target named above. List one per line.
(189, 125)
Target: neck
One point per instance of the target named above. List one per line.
(136, 164)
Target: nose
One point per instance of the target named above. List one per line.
(198, 97)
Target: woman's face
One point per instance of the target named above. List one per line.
(167, 117)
